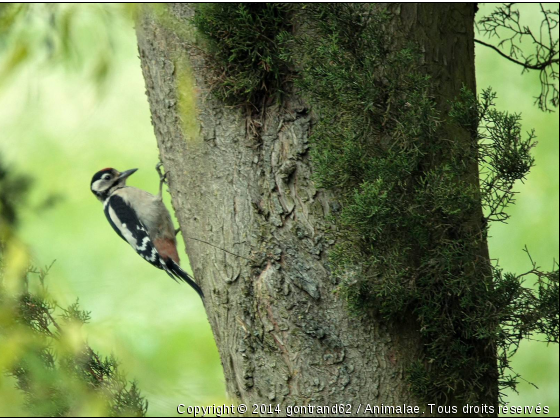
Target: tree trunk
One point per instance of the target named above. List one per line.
(243, 183)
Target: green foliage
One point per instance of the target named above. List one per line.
(46, 33)
(504, 155)
(523, 312)
(245, 42)
(56, 370)
(13, 190)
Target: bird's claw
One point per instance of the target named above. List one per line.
(162, 176)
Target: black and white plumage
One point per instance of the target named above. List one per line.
(142, 220)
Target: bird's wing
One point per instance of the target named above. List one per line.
(128, 226)
(126, 223)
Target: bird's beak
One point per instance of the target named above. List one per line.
(126, 174)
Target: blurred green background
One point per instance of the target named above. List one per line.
(62, 120)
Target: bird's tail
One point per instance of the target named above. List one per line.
(178, 271)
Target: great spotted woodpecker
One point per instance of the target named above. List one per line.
(141, 219)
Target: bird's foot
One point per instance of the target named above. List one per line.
(162, 176)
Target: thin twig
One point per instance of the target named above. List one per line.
(215, 246)
(526, 65)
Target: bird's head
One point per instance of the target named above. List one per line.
(108, 180)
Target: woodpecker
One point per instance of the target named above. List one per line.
(142, 220)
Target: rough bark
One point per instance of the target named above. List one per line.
(283, 335)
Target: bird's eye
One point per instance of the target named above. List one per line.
(107, 176)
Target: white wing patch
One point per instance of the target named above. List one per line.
(144, 245)
(153, 256)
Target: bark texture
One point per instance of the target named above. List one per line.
(244, 184)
